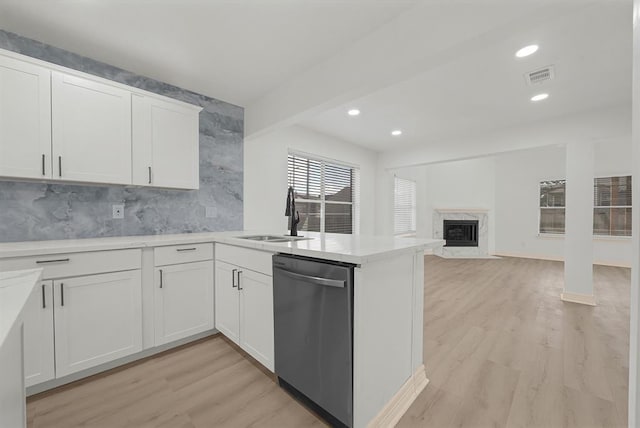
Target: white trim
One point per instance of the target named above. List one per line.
(461, 210)
(583, 299)
(95, 78)
(393, 411)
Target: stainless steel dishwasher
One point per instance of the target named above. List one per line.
(313, 322)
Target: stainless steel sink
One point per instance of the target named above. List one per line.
(272, 238)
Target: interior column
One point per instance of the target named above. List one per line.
(578, 244)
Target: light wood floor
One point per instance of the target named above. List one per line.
(501, 349)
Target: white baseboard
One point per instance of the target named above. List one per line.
(54, 383)
(583, 299)
(391, 414)
(561, 259)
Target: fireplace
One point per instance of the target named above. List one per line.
(461, 233)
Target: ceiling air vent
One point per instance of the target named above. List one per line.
(540, 75)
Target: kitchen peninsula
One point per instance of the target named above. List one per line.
(15, 289)
(153, 278)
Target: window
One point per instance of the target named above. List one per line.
(404, 207)
(326, 194)
(612, 206)
(552, 200)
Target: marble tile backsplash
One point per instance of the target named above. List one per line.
(38, 211)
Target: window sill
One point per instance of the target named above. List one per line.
(595, 237)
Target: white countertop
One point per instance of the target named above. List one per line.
(15, 289)
(356, 249)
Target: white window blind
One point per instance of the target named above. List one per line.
(404, 206)
(612, 206)
(326, 194)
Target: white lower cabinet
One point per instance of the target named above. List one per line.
(244, 310)
(256, 316)
(39, 364)
(183, 299)
(98, 319)
(227, 301)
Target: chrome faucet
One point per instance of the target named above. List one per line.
(290, 211)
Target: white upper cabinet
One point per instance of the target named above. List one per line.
(64, 125)
(165, 143)
(25, 120)
(91, 131)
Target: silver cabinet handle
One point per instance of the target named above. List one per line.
(43, 168)
(161, 278)
(186, 249)
(239, 288)
(39, 262)
(44, 301)
(61, 294)
(233, 278)
(149, 175)
(60, 166)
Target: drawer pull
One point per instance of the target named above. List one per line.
(186, 249)
(52, 261)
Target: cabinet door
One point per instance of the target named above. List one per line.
(227, 301)
(183, 300)
(165, 144)
(256, 316)
(38, 335)
(98, 319)
(25, 120)
(91, 131)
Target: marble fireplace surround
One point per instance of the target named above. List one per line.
(480, 214)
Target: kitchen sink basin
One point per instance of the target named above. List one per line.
(272, 238)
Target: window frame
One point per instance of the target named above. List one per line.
(355, 191)
(609, 235)
(540, 208)
(594, 207)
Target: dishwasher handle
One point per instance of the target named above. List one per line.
(314, 279)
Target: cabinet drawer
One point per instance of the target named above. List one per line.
(175, 254)
(256, 260)
(77, 264)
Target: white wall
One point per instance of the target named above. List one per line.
(265, 175)
(517, 179)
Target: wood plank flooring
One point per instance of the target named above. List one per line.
(501, 349)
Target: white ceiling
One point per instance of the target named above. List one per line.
(233, 50)
(485, 90)
(437, 69)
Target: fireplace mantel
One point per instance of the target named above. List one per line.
(461, 210)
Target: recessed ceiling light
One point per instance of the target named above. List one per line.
(396, 132)
(539, 97)
(353, 112)
(526, 51)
